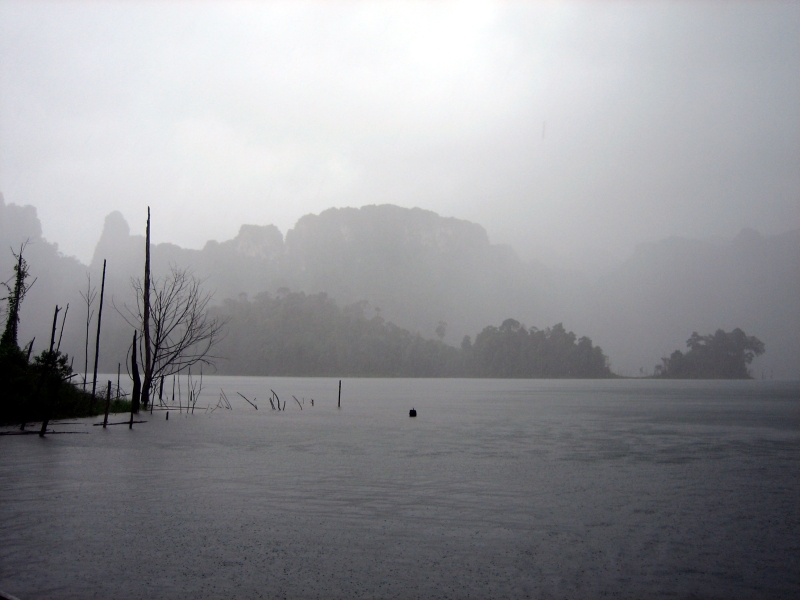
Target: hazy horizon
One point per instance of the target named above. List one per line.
(569, 131)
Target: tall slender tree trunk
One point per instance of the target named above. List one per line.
(97, 342)
(148, 363)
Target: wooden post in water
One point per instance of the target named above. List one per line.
(108, 404)
(339, 405)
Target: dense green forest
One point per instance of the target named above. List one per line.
(718, 356)
(299, 334)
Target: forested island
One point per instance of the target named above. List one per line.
(720, 355)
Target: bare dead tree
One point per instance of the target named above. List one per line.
(61, 333)
(181, 331)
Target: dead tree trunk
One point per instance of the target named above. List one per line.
(148, 366)
(61, 333)
(47, 376)
(97, 342)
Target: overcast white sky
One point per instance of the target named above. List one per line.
(572, 131)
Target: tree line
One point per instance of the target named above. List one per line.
(296, 334)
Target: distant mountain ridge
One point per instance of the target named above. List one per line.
(420, 270)
(417, 268)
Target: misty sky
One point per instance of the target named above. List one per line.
(571, 131)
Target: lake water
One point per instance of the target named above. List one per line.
(498, 489)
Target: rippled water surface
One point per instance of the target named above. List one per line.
(498, 489)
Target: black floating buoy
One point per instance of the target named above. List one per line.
(167, 415)
(412, 412)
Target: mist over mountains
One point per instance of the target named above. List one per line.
(419, 271)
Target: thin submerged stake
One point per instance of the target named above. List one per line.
(298, 401)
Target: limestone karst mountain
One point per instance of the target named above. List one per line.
(416, 268)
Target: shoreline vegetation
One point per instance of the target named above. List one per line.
(41, 389)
